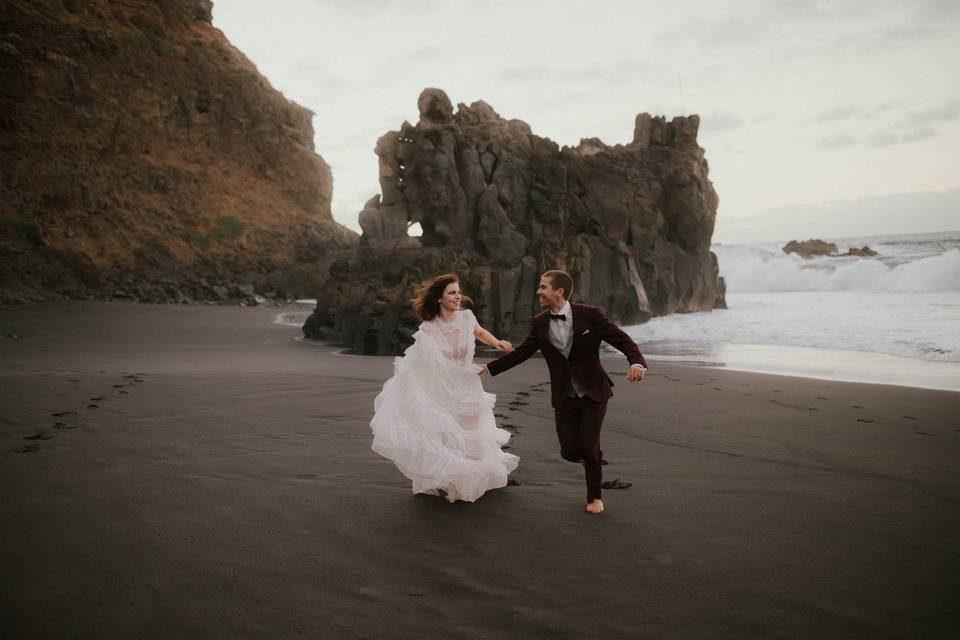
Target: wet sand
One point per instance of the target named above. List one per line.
(196, 472)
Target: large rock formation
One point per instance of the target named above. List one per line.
(143, 156)
(500, 205)
(815, 248)
(810, 248)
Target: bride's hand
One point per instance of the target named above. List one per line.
(505, 346)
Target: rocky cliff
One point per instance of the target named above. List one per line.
(499, 205)
(143, 156)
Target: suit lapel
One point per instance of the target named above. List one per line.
(578, 324)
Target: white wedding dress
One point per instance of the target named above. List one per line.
(434, 420)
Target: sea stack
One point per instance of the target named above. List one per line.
(499, 205)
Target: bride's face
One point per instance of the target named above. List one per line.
(451, 297)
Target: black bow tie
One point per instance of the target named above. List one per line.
(558, 316)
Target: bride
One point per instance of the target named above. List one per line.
(433, 419)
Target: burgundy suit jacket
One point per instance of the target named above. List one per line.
(590, 326)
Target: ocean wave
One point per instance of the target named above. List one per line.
(756, 269)
(918, 325)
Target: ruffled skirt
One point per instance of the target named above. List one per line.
(435, 422)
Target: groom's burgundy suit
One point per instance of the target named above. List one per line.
(578, 418)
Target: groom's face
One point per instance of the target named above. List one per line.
(548, 296)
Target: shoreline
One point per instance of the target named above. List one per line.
(945, 372)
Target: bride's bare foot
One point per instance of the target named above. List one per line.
(595, 506)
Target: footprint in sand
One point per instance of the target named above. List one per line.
(923, 433)
(513, 483)
(776, 390)
(717, 389)
(857, 406)
(40, 435)
(63, 425)
(499, 415)
(97, 399)
(912, 418)
(92, 406)
(538, 390)
(523, 393)
(61, 414)
(864, 420)
(518, 403)
(28, 448)
(821, 398)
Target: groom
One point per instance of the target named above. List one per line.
(569, 337)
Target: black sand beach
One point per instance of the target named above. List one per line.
(196, 472)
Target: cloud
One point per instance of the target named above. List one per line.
(845, 112)
(883, 139)
(562, 101)
(850, 112)
(919, 134)
(837, 141)
(888, 138)
(926, 117)
(616, 73)
(710, 35)
(937, 10)
(721, 122)
(423, 54)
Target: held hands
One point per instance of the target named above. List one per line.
(504, 345)
(483, 370)
(636, 372)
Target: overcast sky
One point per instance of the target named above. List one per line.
(814, 107)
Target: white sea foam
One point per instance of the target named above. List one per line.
(296, 314)
(756, 269)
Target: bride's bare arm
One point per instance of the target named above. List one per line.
(487, 338)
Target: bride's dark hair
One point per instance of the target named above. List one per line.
(426, 300)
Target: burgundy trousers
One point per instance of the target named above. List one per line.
(578, 429)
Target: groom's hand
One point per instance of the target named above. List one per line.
(636, 372)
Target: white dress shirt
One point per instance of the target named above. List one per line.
(561, 337)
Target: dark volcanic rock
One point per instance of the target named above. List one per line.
(499, 205)
(814, 248)
(137, 146)
(864, 251)
(810, 248)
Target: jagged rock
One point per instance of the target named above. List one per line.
(137, 142)
(499, 205)
(863, 251)
(810, 248)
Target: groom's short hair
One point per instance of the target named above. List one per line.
(560, 280)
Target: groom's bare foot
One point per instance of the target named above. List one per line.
(595, 506)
